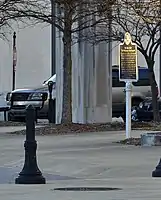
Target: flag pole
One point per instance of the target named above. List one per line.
(14, 62)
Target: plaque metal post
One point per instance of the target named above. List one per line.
(128, 108)
(128, 72)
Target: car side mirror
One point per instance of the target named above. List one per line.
(8, 96)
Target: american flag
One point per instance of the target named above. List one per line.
(14, 57)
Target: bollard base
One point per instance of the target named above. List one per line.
(30, 173)
(26, 179)
(157, 171)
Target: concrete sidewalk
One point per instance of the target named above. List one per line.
(81, 160)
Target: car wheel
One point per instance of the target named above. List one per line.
(16, 119)
(133, 115)
(22, 119)
(10, 118)
(136, 102)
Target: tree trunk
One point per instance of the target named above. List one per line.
(156, 116)
(67, 74)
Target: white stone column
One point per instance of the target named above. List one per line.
(75, 83)
(100, 109)
(92, 99)
(78, 83)
(59, 76)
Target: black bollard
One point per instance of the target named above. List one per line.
(51, 110)
(157, 171)
(30, 173)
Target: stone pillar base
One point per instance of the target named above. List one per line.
(98, 115)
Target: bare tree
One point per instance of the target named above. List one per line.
(74, 17)
(8, 16)
(140, 19)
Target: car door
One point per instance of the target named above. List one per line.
(118, 92)
(142, 88)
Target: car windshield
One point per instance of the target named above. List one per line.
(45, 88)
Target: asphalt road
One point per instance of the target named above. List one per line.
(82, 160)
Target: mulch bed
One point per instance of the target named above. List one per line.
(10, 123)
(52, 129)
(130, 141)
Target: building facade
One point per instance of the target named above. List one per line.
(33, 58)
(91, 81)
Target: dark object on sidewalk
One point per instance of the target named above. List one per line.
(30, 173)
(157, 171)
(51, 110)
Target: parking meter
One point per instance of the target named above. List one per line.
(50, 88)
(51, 112)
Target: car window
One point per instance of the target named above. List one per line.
(143, 78)
(115, 79)
(142, 81)
(45, 88)
(117, 83)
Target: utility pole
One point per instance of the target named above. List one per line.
(53, 38)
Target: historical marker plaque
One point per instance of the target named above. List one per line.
(128, 69)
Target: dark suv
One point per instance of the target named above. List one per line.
(140, 90)
(24, 97)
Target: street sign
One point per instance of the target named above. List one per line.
(128, 72)
(128, 69)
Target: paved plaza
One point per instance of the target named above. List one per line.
(81, 160)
